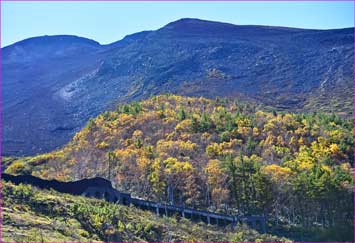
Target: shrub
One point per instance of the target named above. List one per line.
(18, 168)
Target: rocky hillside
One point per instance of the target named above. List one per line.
(53, 85)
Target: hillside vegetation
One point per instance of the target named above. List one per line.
(32, 215)
(221, 155)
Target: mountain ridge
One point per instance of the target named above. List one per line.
(178, 21)
(70, 82)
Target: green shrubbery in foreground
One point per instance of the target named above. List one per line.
(32, 215)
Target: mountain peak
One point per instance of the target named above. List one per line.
(56, 39)
(198, 26)
(208, 27)
(195, 22)
(190, 21)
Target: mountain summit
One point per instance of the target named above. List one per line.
(52, 85)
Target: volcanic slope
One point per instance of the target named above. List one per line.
(52, 85)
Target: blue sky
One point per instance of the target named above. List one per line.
(106, 22)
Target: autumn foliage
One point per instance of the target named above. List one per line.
(218, 154)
